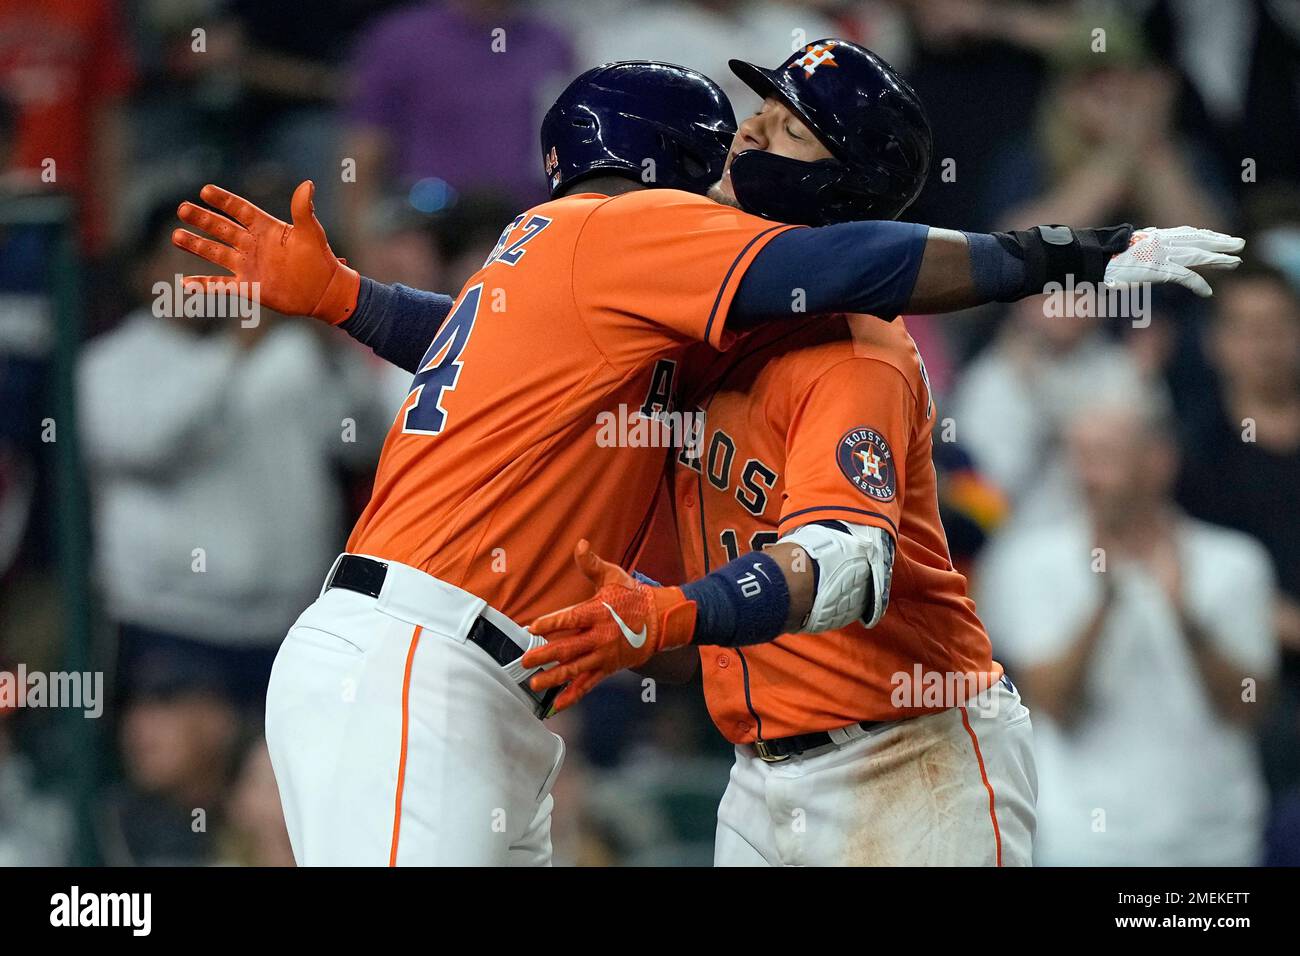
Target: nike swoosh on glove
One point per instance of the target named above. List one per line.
(1174, 255)
(624, 624)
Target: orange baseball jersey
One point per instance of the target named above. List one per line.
(503, 453)
(832, 419)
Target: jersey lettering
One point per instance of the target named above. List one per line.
(720, 469)
(693, 442)
(757, 541)
(512, 254)
(659, 397)
(441, 367)
(756, 480)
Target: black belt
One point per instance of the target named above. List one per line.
(783, 748)
(366, 576)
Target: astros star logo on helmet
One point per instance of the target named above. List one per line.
(815, 55)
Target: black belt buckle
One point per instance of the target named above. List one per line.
(545, 700)
(767, 754)
(498, 646)
(783, 748)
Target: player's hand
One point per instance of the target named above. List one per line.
(1174, 255)
(295, 270)
(624, 624)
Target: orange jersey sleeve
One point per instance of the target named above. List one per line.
(848, 446)
(665, 259)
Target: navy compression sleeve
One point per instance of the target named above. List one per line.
(848, 267)
(396, 321)
(999, 275)
(743, 602)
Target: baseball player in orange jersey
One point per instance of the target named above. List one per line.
(889, 739)
(862, 737)
(397, 720)
(399, 717)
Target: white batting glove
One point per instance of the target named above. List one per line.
(1173, 255)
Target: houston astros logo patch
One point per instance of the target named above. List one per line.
(815, 55)
(864, 457)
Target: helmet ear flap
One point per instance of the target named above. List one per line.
(692, 166)
(811, 194)
(853, 197)
(782, 189)
(690, 161)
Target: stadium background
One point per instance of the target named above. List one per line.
(172, 555)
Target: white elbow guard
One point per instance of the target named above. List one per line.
(854, 566)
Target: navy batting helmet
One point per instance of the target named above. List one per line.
(612, 119)
(865, 115)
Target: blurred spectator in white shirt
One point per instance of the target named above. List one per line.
(1014, 399)
(701, 34)
(1142, 640)
(213, 454)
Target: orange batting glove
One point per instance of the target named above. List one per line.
(623, 625)
(295, 270)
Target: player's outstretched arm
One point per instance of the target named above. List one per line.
(888, 268)
(961, 270)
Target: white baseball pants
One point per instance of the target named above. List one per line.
(397, 742)
(955, 788)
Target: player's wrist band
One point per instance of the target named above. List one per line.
(339, 300)
(1059, 254)
(744, 602)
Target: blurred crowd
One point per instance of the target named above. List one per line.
(1122, 492)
